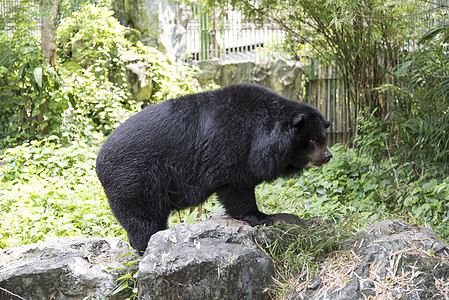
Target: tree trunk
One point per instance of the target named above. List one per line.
(50, 10)
(49, 15)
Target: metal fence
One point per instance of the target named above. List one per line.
(324, 89)
(12, 9)
(224, 34)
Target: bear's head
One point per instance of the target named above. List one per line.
(310, 143)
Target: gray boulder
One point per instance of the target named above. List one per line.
(214, 259)
(78, 268)
(388, 260)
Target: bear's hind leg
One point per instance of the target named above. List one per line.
(240, 203)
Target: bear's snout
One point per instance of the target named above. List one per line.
(320, 156)
(327, 155)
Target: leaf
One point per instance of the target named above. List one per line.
(126, 276)
(27, 49)
(20, 74)
(432, 33)
(72, 66)
(120, 288)
(38, 76)
(130, 263)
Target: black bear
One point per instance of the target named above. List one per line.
(177, 153)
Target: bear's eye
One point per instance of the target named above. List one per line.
(311, 142)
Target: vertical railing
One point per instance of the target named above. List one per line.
(7, 9)
(325, 89)
(223, 33)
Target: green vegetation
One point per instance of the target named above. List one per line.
(87, 91)
(49, 191)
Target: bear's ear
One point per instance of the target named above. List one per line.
(299, 119)
(327, 124)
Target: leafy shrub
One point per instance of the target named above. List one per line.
(27, 85)
(49, 191)
(421, 120)
(46, 158)
(94, 34)
(101, 46)
(96, 105)
(94, 51)
(88, 90)
(354, 184)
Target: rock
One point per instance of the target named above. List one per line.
(77, 268)
(214, 259)
(388, 260)
(162, 23)
(282, 76)
(137, 75)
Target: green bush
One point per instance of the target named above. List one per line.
(97, 85)
(49, 191)
(27, 86)
(98, 37)
(354, 184)
(421, 117)
(95, 105)
(54, 189)
(101, 45)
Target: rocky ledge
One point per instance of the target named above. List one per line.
(223, 258)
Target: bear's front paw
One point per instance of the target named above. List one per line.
(257, 219)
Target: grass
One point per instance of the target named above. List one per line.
(301, 251)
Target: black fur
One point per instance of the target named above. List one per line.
(175, 154)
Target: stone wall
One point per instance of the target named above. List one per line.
(283, 76)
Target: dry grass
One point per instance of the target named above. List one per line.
(388, 279)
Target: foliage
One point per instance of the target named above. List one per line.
(421, 120)
(426, 90)
(437, 32)
(94, 35)
(92, 38)
(27, 82)
(129, 280)
(354, 189)
(49, 191)
(94, 51)
(353, 182)
(409, 183)
(89, 90)
(301, 250)
(194, 214)
(54, 188)
(96, 105)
